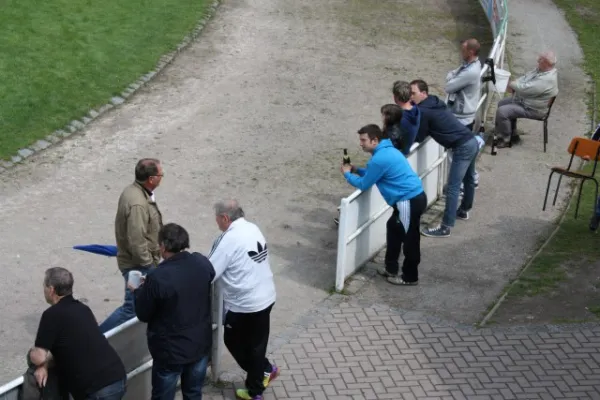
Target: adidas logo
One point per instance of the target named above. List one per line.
(259, 256)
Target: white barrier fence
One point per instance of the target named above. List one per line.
(129, 341)
(363, 215)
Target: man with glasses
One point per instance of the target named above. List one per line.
(137, 224)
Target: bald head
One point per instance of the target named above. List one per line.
(470, 49)
(226, 212)
(546, 61)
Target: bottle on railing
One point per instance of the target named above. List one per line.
(346, 159)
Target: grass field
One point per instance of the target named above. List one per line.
(573, 245)
(61, 58)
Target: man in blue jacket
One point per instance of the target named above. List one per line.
(175, 301)
(438, 122)
(402, 189)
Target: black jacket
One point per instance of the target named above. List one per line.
(438, 122)
(175, 302)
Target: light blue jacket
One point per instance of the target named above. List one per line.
(391, 172)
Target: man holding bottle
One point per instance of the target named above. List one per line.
(402, 189)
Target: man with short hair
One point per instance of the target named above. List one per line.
(68, 336)
(531, 96)
(137, 223)
(463, 86)
(243, 273)
(175, 301)
(411, 117)
(402, 189)
(438, 122)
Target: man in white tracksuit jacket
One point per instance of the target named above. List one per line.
(241, 261)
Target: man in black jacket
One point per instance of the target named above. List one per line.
(174, 300)
(438, 122)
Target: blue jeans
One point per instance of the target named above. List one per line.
(114, 391)
(164, 380)
(125, 312)
(462, 170)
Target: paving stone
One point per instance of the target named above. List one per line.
(117, 100)
(41, 145)
(425, 360)
(6, 164)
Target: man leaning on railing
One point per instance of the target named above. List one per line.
(175, 301)
(69, 338)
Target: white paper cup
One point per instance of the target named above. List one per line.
(134, 278)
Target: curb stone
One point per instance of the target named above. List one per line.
(79, 124)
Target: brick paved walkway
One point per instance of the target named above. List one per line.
(372, 352)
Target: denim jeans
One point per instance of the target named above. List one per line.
(462, 170)
(125, 312)
(114, 391)
(164, 380)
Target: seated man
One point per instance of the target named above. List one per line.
(532, 92)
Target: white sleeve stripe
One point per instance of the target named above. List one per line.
(216, 244)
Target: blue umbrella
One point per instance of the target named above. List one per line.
(102, 249)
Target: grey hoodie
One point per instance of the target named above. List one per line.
(463, 86)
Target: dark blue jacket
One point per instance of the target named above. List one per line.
(403, 134)
(438, 122)
(175, 302)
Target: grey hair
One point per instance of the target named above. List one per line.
(60, 279)
(401, 91)
(550, 56)
(231, 208)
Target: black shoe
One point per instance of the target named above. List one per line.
(461, 214)
(501, 144)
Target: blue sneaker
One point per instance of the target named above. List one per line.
(440, 231)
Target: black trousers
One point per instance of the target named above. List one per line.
(246, 337)
(411, 239)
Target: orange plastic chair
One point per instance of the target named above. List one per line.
(586, 149)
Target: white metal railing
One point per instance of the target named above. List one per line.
(363, 215)
(129, 341)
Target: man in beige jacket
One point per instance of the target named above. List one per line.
(137, 224)
(531, 94)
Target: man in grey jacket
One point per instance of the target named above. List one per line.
(531, 94)
(463, 86)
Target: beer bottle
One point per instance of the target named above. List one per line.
(346, 157)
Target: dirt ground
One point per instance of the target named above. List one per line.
(258, 108)
(576, 299)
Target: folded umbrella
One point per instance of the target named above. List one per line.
(102, 249)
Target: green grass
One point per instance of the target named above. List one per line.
(584, 18)
(573, 243)
(60, 58)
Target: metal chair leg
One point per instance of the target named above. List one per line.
(556, 193)
(513, 128)
(595, 198)
(547, 190)
(579, 197)
(545, 135)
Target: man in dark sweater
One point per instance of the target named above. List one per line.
(174, 300)
(438, 122)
